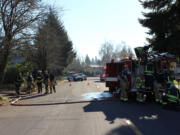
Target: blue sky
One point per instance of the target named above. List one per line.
(90, 23)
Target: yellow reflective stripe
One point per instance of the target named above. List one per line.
(175, 82)
(171, 96)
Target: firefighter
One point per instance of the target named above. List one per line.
(172, 94)
(30, 84)
(140, 85)
(52, 83)
(159, 83)
(18, 82)
(159, 87)
(46, 81)
(149, 75)
(139, 52)
(39, 80)
(123, 77)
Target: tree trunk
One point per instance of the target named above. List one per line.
(2, 68)
(3, 61)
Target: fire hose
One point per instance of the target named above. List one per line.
(60, 103)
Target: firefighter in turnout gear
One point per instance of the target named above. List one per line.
(46, 81)
(30, 82)
(159, 86)
(149, 76)
(140, 86)
(139, 51)
(160, 83)
(52, 82)
(39, 81)
(172, 94)
(19, 80)
(123, 78)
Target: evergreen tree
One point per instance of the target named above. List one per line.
(76, 65)
(87, 60)
(96, 60)
(92, 61)
(54, 49)
(163, 22)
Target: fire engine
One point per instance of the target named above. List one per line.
(112, 71)
(160, 62)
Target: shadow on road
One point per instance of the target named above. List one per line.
(146, 119)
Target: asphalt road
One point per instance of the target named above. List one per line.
(93, 118)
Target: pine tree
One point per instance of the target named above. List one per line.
(96, 60)
(54, 49)
(163, 22)
(92, 61)
(87, 60)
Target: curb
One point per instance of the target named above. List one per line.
(60, 103)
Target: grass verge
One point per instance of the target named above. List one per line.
(3, 100)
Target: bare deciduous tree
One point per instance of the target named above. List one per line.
(106, 52)
(16, 18)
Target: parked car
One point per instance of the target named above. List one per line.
(78, 77)
(71, 77)
(83, 76)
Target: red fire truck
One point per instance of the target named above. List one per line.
(144, 63)
(112, 71)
